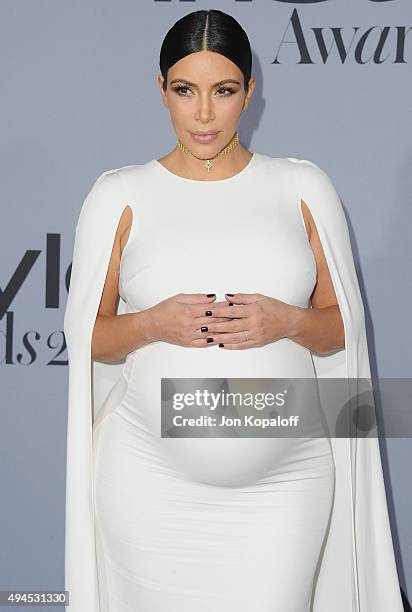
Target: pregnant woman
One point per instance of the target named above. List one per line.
(228, 264)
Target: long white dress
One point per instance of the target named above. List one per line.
(225, 524)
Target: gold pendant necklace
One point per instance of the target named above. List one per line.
(208, 163)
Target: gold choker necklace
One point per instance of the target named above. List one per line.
(208, 163)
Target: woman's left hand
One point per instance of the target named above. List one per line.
(257, 320)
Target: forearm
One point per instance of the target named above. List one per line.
(116, 335)
(319, 329)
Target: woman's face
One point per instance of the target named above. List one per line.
(205, 93)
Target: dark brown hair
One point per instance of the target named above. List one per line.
(211, 30)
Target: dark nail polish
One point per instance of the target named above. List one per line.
(221, 344)
(211, 294)
(204, 328)
(208, 313)
(230, 294)
(230, 304)
(209, 339)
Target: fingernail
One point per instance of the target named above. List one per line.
(204, 328)
(211, 294)
(221, 344)
(208, 313)
(209, 339)
(230, 294)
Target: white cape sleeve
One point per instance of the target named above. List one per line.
(95, 232)
(358, 571)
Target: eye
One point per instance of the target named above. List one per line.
(178, 89)
(229, 89)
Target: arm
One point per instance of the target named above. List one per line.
(116, 335)
(319, 328)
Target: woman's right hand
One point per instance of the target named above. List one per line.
(178, 320)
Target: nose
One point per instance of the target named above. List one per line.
(205, 111)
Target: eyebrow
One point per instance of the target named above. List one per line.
(194, 84)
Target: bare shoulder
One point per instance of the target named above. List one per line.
(307, 217)
(324, 293)
(124, 227)
(110, 295)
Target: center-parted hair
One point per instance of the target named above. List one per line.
(207, 30)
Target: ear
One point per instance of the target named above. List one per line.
(251, 89)
(160, 80)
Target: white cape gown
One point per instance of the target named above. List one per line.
(358, 571)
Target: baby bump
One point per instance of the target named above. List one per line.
(146, 367)
(127, 450)
(224, 458)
